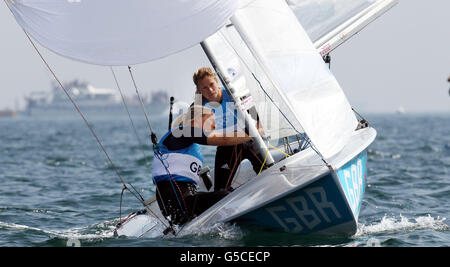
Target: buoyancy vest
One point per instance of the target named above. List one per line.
(180, 165)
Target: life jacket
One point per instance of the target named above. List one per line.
(225, 114)
(182, 165)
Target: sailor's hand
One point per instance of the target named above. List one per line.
(261, 131)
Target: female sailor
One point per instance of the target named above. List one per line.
(178, 161)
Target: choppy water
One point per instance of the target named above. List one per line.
(56, 185)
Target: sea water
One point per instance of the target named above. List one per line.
(57, 187)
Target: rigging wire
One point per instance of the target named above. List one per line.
(262, 88)
(140, 145)
(363, 119)
(173, 184)
(152, 135)
(132, 123)
(129, 116)
(264, 162)
(157, 155)
(259, 83)
(327, 59)
(271, 100)
(139, 197)
(286, 154)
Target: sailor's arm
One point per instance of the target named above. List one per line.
(227, 139)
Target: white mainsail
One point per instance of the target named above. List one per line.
(289, 58)
(117, 32)
(285, 62)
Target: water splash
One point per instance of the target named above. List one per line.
(224, 231)
(389, 224)
(90, 233)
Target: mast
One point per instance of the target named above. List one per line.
(251, 127)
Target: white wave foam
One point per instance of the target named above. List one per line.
(104, 230)
(19, 227)
(224, 231)
(389, 224)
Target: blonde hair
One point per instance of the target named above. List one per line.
(193, 111)
(202, 73)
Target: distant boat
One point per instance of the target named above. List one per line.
(86, 96)
(400, 110)
(7, 113)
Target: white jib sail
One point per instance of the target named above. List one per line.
(281, 45)
(118, 32)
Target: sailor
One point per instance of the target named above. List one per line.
(178, 161)
(227, 158)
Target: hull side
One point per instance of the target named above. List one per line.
(353, 180)
(329, 205)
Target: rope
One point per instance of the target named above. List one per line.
(287, 155)
(236, 161)
(143, 151)
(81, 114)
(264, 162)
(259, 83)
(262, 88)
(153, 135)
(138, 196)
(129, 116)
(359, 114)
(120, 206)
(267, 152)
(131, 120)
(271, 100)
(183, 208)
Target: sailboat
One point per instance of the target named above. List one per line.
(269, 56)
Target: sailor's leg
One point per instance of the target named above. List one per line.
(202, 201)
(224, 163)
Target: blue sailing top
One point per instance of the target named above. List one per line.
(178, 156)
(225, 114)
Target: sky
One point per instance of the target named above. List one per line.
(400, 61)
